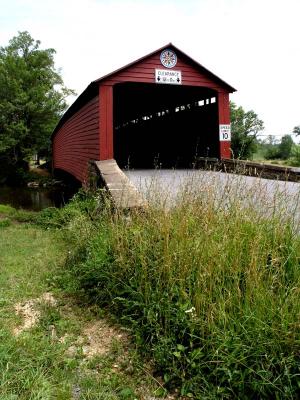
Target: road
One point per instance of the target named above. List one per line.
(167, 186)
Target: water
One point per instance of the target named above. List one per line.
(35, 199)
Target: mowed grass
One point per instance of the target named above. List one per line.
(30, 363)
(46, 360)
(28, 255)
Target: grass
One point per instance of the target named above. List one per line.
(292, 161)
(209, 288)
(38, 363)
(207, 285)
(27, 257)
(9, 213)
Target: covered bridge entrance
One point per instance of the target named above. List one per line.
(164, 125)
(162, 110)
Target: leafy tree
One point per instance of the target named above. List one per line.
(295, 156)
(270, 148)
(245, 126)
(285, 147)
(33, 97)
(282, 150)
(296, 130)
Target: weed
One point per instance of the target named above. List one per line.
(4, 223)
(17, 215)
(209, 287)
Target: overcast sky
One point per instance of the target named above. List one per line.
(254, 45)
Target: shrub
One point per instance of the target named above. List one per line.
(4, 223)
(83, 203)
(296, 156)
(7, 210)
(272, 152)
(18, 215)
(285, 146)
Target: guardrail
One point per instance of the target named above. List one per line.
(250, 168)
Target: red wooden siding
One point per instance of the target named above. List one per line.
(106, 122)
(145, 72)
(224, 118)
(77, 141)
(86, 131)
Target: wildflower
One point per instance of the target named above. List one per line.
(191, 311)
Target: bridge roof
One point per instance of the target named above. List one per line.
(92, 89)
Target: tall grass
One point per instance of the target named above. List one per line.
(209, 286)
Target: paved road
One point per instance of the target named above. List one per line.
(264, 194)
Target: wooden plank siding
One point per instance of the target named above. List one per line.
(224, 118)
(77, 141)
(145, 72)
(86, 131)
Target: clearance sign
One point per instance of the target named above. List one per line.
(166, 76)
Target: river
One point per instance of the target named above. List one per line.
(35, 199)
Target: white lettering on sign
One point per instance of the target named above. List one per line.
(225, 133)
(170, 77)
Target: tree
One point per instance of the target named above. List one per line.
(282, 150)
(296, 130)
(285, 147)
(33, 97)
(245, 125)
(270, 147)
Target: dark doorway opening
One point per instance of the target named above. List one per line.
(167, 126)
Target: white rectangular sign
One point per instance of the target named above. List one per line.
(225, 133)
(167, 76)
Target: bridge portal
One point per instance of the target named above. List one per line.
(164, 109)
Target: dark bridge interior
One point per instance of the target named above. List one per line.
(164, 125)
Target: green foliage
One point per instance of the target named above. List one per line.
(4, 223)
(13, 214)
(6, 209)
(32, 368)
(285, 147)
(296, 130)
(32, 100)
(210, 294)
(245, 125)
(274, 150)
(37, 364)
(82, 206)
(296, 155)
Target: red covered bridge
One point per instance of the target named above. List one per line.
(164, 109)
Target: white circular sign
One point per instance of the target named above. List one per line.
(168, 58)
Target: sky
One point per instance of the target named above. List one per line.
(254, 45)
